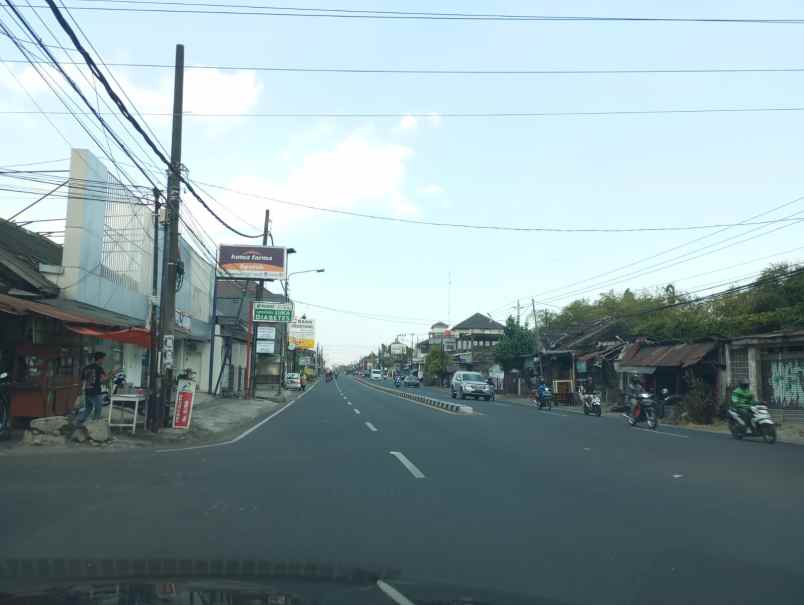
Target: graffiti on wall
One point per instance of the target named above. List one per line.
(787, 383)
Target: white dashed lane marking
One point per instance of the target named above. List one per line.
(408, 465)
(371, 427)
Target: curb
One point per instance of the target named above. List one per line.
(429, 401)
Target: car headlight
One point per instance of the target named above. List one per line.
(466, 387)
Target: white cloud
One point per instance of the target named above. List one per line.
(431, 189)
(356, 171)
(407, 123)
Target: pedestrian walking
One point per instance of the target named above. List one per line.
(93, 376)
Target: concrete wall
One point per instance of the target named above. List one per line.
(108, 262)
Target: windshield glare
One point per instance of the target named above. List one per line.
(473, 377)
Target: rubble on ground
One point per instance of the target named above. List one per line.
(55, 430)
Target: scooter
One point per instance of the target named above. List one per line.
(644, 411)
(5, 407)
(761, 423)
(591, 404)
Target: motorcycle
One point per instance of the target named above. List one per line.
(760, 423)
(644, 411)
(591, 404)
(545, 399)
(397, 382)
(5, 407)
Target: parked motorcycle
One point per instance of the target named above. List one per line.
(644, 411)
(5, 407)
(591, 404)
(760, 423)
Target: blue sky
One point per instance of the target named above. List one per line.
(619, 171)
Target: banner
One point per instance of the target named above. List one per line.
(183, 410)
(266, 346)
(266, 332)
(397, 348)
(253, 262)
(273, 311)
(301, 333)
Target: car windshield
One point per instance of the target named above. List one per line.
(356, 290)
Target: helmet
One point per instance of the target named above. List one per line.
(665, 391)
(634, 379)
(743, 383)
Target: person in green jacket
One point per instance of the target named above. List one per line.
(741, 401)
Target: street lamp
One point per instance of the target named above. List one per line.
(286, 287)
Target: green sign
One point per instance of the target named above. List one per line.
(271, 311)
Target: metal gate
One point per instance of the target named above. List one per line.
(782, 379)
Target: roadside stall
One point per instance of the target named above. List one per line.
(44, 349)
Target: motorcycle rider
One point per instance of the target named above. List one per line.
(741, 401)
(635, 389)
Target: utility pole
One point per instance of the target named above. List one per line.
(167, 307)
(518, 307)
(258, 298)
(153, 351)
(535, 326)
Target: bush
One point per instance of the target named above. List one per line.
(698, 406)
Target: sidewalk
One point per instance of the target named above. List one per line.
(214, 419)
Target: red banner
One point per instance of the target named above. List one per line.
(184, 407)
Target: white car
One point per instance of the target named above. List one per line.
(470, 384)
(376, 374)
(293, 382)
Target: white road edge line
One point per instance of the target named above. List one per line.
(408, 465)
(242, 435)
(356, 411)
(371, 427)
(393, 594)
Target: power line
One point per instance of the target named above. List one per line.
(482, 227)
(134, 122)
(75, 87)
(457, 71)
(39, 163)
(346, 13)
(663, 252)
(461, 115)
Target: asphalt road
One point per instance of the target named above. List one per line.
(556, 505)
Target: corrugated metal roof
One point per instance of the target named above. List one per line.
(20, 306)
(665, 356)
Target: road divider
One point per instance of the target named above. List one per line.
(455, 408)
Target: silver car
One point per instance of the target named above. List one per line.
(470, 384)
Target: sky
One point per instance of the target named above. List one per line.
(383, 278)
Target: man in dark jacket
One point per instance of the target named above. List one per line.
(93, 376)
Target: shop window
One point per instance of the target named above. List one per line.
(66, 366)
(739, 365)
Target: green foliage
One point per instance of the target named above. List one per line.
(776, 301)
(515, 342)
(435, 364)
(698, 406)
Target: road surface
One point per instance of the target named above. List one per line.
(568, 508)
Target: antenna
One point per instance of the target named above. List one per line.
(449, 298)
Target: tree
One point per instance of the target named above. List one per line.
(516, 342)
(435, 364)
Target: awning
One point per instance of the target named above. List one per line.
(21, 306)
(135, 336)
(634, 369)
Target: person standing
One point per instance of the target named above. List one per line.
(93, 376)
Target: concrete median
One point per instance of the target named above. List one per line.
(455, 408)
